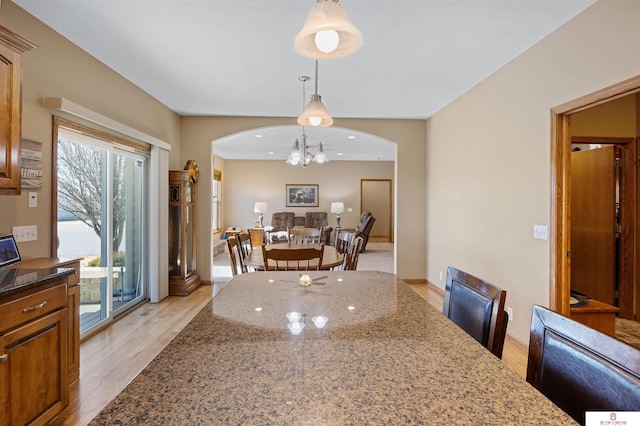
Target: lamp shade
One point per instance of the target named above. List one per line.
(337, 207)
(315, 114)
(260, 207)
(327, 32)
(321, 157)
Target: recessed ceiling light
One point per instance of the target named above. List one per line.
(339, 153)
(271, 153)
(258, 136)
(351, 137)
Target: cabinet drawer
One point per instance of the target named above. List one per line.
(74, 278)
(32, 306)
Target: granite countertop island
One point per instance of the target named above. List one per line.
(352, 348)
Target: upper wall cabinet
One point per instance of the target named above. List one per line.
(12, 46)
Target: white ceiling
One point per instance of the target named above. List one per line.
(236, 58)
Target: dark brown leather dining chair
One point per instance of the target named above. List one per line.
(579, 368)
(477, 307)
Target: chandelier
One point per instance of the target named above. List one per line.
(302, 153)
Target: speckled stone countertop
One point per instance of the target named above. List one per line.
(385, 356)
(13, 281)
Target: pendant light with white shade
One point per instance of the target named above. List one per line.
(327, 32)
(315, 114)
(302, 153)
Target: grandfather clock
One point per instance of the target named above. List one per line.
(183, 278)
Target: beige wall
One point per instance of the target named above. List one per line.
(198, 134)
(612, 119)
(244, 183)
(489, 180)
(60, 69)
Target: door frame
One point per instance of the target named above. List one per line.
(560, 246)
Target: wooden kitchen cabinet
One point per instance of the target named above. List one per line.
(33, 354)
(12, 46)
(73, 305)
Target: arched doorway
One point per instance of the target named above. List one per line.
(254, 161)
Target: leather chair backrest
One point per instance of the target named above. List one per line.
(364, 221)
(368, 224)
(579, 368)
(477, 307)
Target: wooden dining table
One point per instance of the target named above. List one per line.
(352, 348)
(331, 258)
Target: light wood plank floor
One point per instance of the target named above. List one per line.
(111, 359)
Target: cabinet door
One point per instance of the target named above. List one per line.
(33, 371)
(10, 74)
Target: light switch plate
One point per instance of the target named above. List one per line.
(540, 232)
(25, 233)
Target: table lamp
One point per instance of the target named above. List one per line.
(337, 207)
(260, 207)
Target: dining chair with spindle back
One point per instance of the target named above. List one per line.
(301, 259)
(353, 254)
(305, 235)
(246, 247)
(235, 259)
(344, 239)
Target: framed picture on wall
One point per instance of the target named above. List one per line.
(302, 195)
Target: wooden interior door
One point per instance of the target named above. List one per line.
(376, 197)
(593, 222)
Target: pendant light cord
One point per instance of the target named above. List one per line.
(316, 76)
(303, 79)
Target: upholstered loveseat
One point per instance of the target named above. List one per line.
(283, 222)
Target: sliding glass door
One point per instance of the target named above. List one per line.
(128, 229)
(101, 210)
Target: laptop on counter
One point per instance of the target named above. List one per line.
(9, 253)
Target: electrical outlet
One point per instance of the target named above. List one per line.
(25, 233)
(540, 232)
(440, 275)
(510, 313)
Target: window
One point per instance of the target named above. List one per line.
(216, 207)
